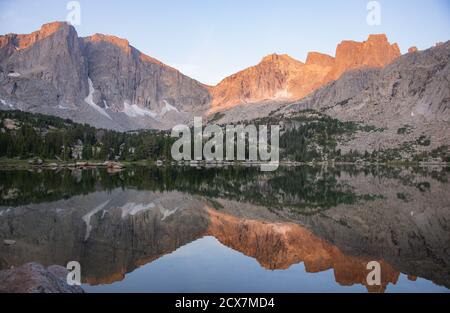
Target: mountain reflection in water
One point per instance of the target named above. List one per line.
(326, 218)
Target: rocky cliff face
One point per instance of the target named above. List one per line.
(413, 90)
(273, 78)
(100, 79)
(375, 52)
(47, 65)
(123, 77)
(282, 78)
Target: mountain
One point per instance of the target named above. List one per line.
(404, 104)
(282, 78)
(411, 94)
(129, 81)
(104, 81)
(375, 52)
(47, 65)
(274, 78)
(101, 80)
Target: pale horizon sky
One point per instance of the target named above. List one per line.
(209, 40)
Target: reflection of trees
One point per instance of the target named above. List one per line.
(299, 187)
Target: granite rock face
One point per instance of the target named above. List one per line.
(45, 66)
(282, 78)
(121, 74)
(273, 78)
(101, 80)
(320, 59)
(413, 90)
(375, 52)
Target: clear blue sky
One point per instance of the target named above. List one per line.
(210, 39)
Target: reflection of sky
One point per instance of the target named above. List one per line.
(209, 40)
(205, 265)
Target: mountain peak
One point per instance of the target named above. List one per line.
(375, 52)
(279, 76)
(412, 49)
(117, 41)
(52, 27)
(318, 58)
(23, 41)
(124, 45)
(377, 38)
(274, 57)
(382, 40)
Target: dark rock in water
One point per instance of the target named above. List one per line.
(34, 278)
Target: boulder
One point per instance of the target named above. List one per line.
(34, 278)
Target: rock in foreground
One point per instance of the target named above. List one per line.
(34, 278)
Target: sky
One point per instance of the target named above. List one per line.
(211, 39)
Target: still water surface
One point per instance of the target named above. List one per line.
(299, 229)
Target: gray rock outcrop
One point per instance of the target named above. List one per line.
(34, 278)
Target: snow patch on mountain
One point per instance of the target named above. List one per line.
(133, 110)
(90, 100)
(5, 103)
(62, 107)
(132, 208)
(167, 108)
(87, 218)
(282, 94)
(165, 212)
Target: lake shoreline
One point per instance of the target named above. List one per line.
(118, 165)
